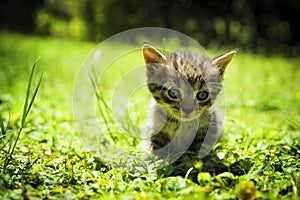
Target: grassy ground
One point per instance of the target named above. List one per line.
(258, 157)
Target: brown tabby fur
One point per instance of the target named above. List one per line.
(189, 74)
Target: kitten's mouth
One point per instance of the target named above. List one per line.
(182, 116)
(188, 117)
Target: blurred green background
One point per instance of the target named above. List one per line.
(266, 26)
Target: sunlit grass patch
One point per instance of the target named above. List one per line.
(257, 158)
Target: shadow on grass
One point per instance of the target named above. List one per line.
(189, 166)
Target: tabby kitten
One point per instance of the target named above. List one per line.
(184, 86)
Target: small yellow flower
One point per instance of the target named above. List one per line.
(239, 152)
(15, 116)
(273, 133)
(272, 153)
(247, 190)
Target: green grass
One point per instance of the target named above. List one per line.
(257, 158)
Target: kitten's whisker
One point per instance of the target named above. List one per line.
(211, 77)
(215, 83)
(215, 86)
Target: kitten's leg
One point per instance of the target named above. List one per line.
(212, 135)
(158, 141)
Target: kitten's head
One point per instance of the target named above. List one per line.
(183, 83)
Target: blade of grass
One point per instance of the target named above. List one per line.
(97, 93)
(25, 110)
(101, 102)
(33, 96)
(2, 126)
(2, 147)
(27, 107)
(3, 129)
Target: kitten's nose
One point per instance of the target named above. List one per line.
(187, 106)
(187, 110)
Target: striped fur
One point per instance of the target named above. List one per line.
(189, 74)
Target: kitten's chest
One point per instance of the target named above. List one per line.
(162, 122)
(172, 128)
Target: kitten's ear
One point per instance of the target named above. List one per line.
(152, 55)
(222, 60)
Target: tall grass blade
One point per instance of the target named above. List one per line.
(27, 107)
(4, 145)
(33, 96)
(101, 102)
(3, 129)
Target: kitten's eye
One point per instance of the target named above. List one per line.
(202, 95)
(173, 93)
